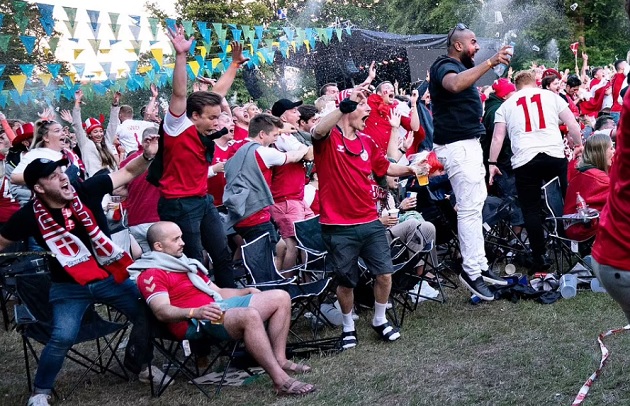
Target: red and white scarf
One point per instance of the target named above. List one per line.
(73, 255)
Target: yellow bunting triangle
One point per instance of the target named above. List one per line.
(45, 78)
(18, 81)
(170, 65)
(203, 51)
(308, 46)
(104, 51)
(158, 54)
(77, 52)
(71, 77)
(194, 65)
(144, 69)
(261, 57)
(215, 62)
(121, 70)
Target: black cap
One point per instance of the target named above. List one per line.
(40, 168)
(283, 105)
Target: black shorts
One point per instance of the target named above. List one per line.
(345, 244)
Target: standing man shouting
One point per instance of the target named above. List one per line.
(347, 162)
(190, 128)
(457, 113)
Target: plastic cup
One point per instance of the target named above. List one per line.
(411, 195)
(394, 212)
(220, 319)
(116, 200)
(423, 180)
(596, 286)
(510, 269)
(568, 285)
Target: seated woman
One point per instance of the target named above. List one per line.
(591, 182)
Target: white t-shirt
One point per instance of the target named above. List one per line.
(129, 133)
(34, 154)
(532, 119)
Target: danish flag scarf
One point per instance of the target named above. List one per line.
(73, 255)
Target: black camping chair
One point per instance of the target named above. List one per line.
(308, 234)
(33, 316)
(565, 251)
(181, 356)
(307, 296)
(12, 264)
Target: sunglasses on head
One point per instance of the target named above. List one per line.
(460, 27)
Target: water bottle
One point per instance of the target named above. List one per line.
(500, 68)
(475, 300)
(580, 206)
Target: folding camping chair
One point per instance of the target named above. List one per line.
(305, 296)
(565, 251)
(181, 356)
(308, 234)
(34, 323)
(502, 244)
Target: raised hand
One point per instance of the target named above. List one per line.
(66, 115)
(237, 53)
(78, 96)
(154, 91)
(414, 97)
(372, 71)
(178, 39)
(47, 114)
(359, 93)
(117, 96)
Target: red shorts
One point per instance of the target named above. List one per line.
(284, 214)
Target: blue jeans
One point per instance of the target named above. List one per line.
(202, 228)
(69, 302)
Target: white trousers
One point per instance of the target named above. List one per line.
(463, 162)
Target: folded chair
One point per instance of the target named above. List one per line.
(502, 244)
(33, 316)
(305, 296)
(565, 251)
(181, 356)
(11, 264)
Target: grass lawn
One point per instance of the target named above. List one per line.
(498, 353)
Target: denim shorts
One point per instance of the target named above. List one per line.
(198, 330)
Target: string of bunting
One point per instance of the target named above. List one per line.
(210, 53)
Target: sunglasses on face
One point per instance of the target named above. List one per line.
(460, 27)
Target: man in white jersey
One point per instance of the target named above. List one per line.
(531, 118)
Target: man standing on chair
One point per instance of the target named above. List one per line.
(531, 119)
(178, 291)
(347, 161)
(87, 268)
(457, 113)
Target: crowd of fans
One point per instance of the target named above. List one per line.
(224, 175)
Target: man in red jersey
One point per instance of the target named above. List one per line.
(347, 162)
(189, 126)
(241, 122)
(216, 174)
(618, 81)
(248, 177)
(611, 250)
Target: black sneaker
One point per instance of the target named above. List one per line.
(478, 287)
(492, 278)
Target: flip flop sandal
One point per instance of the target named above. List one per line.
(349, 339)
(387, 332)
(293, 387)
(296, 368)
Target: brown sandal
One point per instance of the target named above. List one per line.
(295, 368)
(293, 387)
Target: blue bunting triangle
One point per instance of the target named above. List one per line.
(192, 48)
(133, 67)
(289, 32)
(1, 19)
(3, 99)
(2, 67)
(206, 33)
(155, 65)
(80, 67)
(28, 42)
(171, 23)
(46, 19)
(54, 69)
(107, 67)
(236, 34)
(27, 68)
(136, 20)
(259, 31)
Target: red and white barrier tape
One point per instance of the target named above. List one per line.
(605, 353)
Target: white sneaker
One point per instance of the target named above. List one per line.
(38, 400)
(157, 376)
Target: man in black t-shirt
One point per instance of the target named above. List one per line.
(457, 115)
(87, 268)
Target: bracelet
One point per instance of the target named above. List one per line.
(211, 172)
(492, 163)
(190, 313)
(402, 151)
(347, 106)
(489, 63)
(147, 158)
(236, 65)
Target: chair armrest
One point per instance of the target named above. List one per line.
(23, 315)
(281, 282)
(312, 251)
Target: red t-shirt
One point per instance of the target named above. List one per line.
(141, 202)
(185, 166)
(266, 158)
(347, 190)
(593, 185)
(612, 243)
(377, 125)
(180, 290)
(240, 133)
(288, 180)
(8, 205)
(216, 184)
